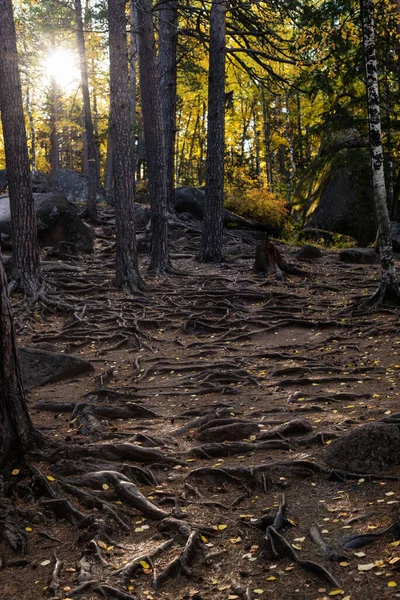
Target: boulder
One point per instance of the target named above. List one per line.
(308, 252)
(370, 448)
(39, 367)
(345, 203)
(359, 256)
(74, 186)
(57, 221)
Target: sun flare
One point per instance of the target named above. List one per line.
(61, 65)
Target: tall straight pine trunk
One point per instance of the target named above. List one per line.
(93, 170)
(389, 287)
(154, 137)
(212, 236)
(168, 43)
(127, 269)
(26, 275)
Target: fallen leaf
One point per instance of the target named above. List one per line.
(392, 584)
(366, 566)
(336, 593)
(102, 544)
(105, 486)
(144, 564)
(15, 472)
(44, 563)
(359, 554)
(50, 478)
(258, 591)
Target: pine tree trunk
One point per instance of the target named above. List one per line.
(212, 235)
(154, 136)
(31, 128)
(17, 434)
(168, 43)
(93, 171)
(127, 269)
(132, 77)
(389, 287)
(26, 275)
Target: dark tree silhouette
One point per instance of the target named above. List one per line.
(127, 269)
(17, 434)
(93, 171)
(212, 236)
(168, 43)
(153, 133)
(26, 275)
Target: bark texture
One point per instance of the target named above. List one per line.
(17, 434)
(212, 236)
(389, 288)
(26, 274)
(168, 43)
(132, 77)
(153, 133)
(93, 172)
(127, 269)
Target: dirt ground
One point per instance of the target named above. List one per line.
(205, 370)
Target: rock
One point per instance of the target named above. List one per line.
(370, 448)
(142, 216)
(395, 229)
(57, 221)
(359, 256)
(74, 186)
(308, 252)
(41, 183)
(39, 367)
(346, 203)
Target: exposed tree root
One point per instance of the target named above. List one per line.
(54, 587)
(181, 564)
(128, 571)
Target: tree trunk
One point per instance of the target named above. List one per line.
(93, 170)
(389, 288)
(31, 128)
(154, 136)
(132, 78)
(127, 269)
(108, 171)
(17, 434)
(54, 142)
(168, 43)
(212, 235)
(267, 141)
(26, 275)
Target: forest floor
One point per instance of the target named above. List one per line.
(194, 383)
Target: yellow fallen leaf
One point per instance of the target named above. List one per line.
(28, 529)
(344, 564)
(15, 472)
(272, 578)
(258, 591)
(395, 544)
(50, 478)
(67, 588)
(336, 593)
(392, 584)
(366, 566)
(105, 486)
(359, 554)
(204, 539)
(102, 544)
(222, 527)
(296, 546)
(44, 563)
(144, 564)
